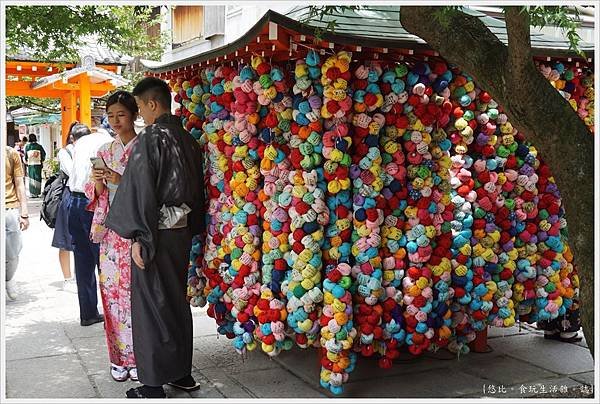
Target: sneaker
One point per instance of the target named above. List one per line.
(69, 285)
(118, 373)
(133, 374)
(11, 290)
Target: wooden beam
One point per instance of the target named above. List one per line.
(28, 72)
(40, 65)
(23, 88)
(282, 42)
(59, 85)
(104, 86)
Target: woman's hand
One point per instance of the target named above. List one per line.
(112, 176)
(98, 175)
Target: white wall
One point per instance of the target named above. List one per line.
(239, 19)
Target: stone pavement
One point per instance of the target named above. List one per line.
(49, 355)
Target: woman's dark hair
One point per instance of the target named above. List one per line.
(32, 137)
(25, 139)
(124, 98)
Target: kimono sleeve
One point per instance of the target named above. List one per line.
(134, 212)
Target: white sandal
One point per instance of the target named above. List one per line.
(118, 373)
(133, 374)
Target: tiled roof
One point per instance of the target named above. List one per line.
(101, 54)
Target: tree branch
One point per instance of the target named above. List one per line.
(520, 57)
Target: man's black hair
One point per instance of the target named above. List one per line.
(32, 137)
(152, 88)
(79, 130)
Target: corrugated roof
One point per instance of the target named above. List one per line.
(369, 26)
(101, 54)
(377, 21)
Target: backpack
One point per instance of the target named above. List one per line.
(52, 196)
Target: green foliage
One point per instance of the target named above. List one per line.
(318, 13)
(55, 32)
(442, 15)
(44, 105)
(565, 18)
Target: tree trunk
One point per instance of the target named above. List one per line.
(535, 108)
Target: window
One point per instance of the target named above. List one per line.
(188, 24)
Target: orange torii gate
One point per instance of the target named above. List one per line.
(74, 86)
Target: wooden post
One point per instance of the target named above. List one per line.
(479, 344)
(68, 114)
(85, 100)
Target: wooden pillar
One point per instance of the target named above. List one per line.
(85, 100)
(68, 114)
(479, 344)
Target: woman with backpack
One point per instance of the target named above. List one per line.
(62, 238)
(115, 251)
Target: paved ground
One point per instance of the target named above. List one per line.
(49, 355)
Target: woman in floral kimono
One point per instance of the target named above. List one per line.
(115, 251)
(34, 157)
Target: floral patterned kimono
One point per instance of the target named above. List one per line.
(115, 260)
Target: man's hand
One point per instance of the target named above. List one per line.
(112, 176)
(23, 223)
(136, 254)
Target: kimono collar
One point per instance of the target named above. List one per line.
(123, 145)
(169, 119)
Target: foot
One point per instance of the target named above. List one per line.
(11, 290)
(94, 320)
(133, 374)
(118, 373)
(557, 336)
(69, 285)
(186, 384)
(146, 392)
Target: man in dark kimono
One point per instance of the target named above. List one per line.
(160, 206)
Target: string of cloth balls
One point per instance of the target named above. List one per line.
(366, 208)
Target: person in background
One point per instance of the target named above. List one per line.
(34, 157)
(20, 147)
(160, 205)
(24, 143)
(61, 238)
(115, 251)
(16, 216)
(86, 146)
